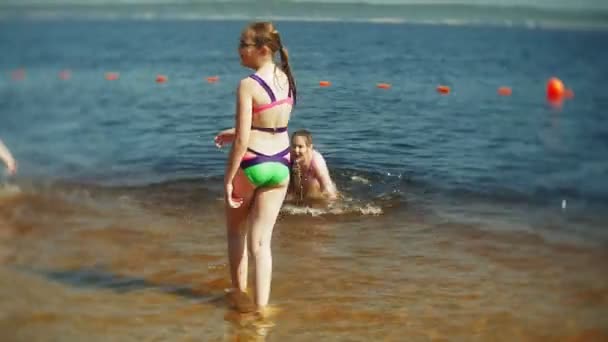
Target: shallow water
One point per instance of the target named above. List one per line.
(83, 263)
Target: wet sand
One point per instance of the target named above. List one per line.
(80, 265)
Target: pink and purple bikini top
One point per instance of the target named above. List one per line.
(273, 103)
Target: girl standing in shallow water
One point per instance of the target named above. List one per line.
(257, 172)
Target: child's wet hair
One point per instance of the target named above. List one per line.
(303, 133)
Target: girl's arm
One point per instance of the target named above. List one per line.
(7, 158)
(244, 104)
(327, 186)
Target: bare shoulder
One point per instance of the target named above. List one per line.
(318, 155)
(246, 84)
(318, 160)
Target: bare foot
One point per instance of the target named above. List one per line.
(240, 301)
(266, 315)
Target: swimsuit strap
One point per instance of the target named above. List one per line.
(264, 107)
(265, 86)
(259, 158)
(278, 154)
(270, 129)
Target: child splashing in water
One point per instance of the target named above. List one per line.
(310, 177)
(257, 171)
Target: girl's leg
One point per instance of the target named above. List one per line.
(266, 205)
(237, 234)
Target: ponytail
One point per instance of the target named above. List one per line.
(286, 68)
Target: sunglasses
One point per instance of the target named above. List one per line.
(243, 44)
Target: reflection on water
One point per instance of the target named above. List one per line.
(81, 263)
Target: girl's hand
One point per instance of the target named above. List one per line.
(224, 137)
(12, 167)
(231, 200)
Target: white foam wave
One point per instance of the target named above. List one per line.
(366, 210)
(359, 179)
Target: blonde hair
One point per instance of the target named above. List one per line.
(304, 134)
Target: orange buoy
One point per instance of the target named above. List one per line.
(443, 89)
(161, 78)
(555, 88)
(568, 93)
(18, 75)
(112, 76)
(213, 79)
(65, 75)
(504, 91)
(383, 85)
(324, 83)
